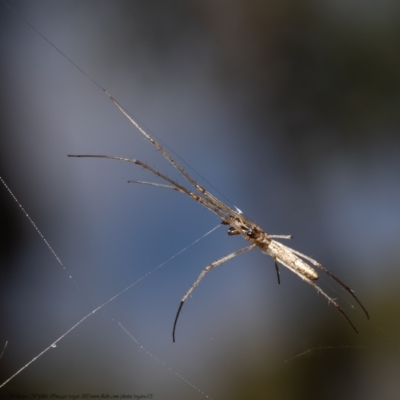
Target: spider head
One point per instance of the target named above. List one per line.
(251, 232)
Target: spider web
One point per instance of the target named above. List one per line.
(100, 307)
(81, 291)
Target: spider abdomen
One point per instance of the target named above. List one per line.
(304, 268)
(290, 260)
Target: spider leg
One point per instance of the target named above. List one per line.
(206, 201)
(154, 184)
(281, 236)
(175, 185)
(277, 271)
(202, 275)
(155, 144)
(319, 290)
(341, 283)
(211, 198)
(329, 273)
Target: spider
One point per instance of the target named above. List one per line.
(238, 225)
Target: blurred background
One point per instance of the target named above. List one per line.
(286, 109)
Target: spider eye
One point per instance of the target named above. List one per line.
(252, 233)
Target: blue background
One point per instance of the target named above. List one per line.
(289, 111)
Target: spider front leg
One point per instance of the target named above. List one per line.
(202, 275)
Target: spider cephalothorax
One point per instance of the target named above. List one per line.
(249, 231)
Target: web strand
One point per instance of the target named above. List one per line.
(35, 226)
(54, 344)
